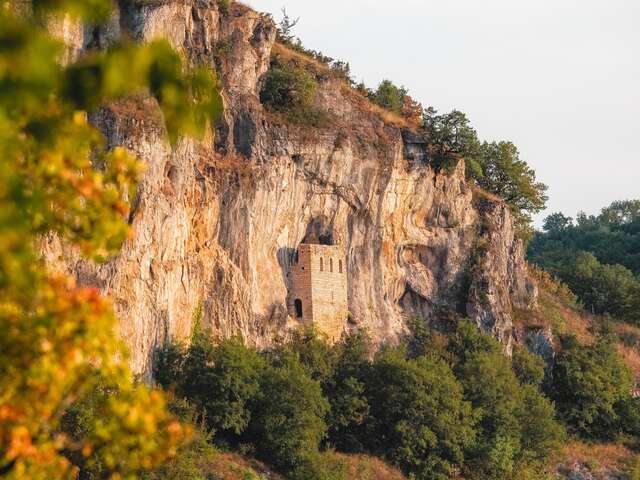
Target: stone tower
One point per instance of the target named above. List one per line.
(318, 294)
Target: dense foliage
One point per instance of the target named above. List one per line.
(598, 257)
(58, 340)
(432, 411)
(592, 389)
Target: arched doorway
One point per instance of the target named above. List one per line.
(298, 305)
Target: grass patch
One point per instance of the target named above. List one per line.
(600, 458)
(283, 54)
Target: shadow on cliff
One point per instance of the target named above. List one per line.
(286, 259)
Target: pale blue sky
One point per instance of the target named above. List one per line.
(559, 78)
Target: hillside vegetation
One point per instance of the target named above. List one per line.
(439, 405)
(598, 257)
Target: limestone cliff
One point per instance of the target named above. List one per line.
(216, 222)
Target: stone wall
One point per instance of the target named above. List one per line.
(300, 289)
(319, 281)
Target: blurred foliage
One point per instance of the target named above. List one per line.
(58, 341)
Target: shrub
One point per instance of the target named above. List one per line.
(225, 5)
(290, 90)
(389, 96)
(191, 462)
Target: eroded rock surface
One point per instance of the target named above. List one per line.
(216, 221)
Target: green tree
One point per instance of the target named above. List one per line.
(468, 340)
(603, 289)
(58, 339)
(314, 353)
(222, 380)
(613, 237)
(516, 429)
(590, 382)
(557, 222)
(419, 340)
(493, 390)
(541, 435)
(452, 133)
(168, 365)
(512, 179)
(288, 423)
(289, 89)
(419, 418)
(620, 213)
(347, 395)
(390, 96)
(494, 166)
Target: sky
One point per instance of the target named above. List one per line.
(559, 78)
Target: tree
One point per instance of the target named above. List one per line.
(285, 28)
(620, 213)
(58, 339)
(513, 180)
(290, 90)
(604, 289)
(590, 384)
(222, 380)
(452, 133)
(468, 340)
(613, 237)
(493, 390)
(314, 353)
(288, 422)
(346, 393)
(390, 96)
(495, 166)
(557, 222)
(516, 428)
(419, 418)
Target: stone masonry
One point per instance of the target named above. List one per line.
(318, 294)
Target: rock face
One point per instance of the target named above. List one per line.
(216, 221)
